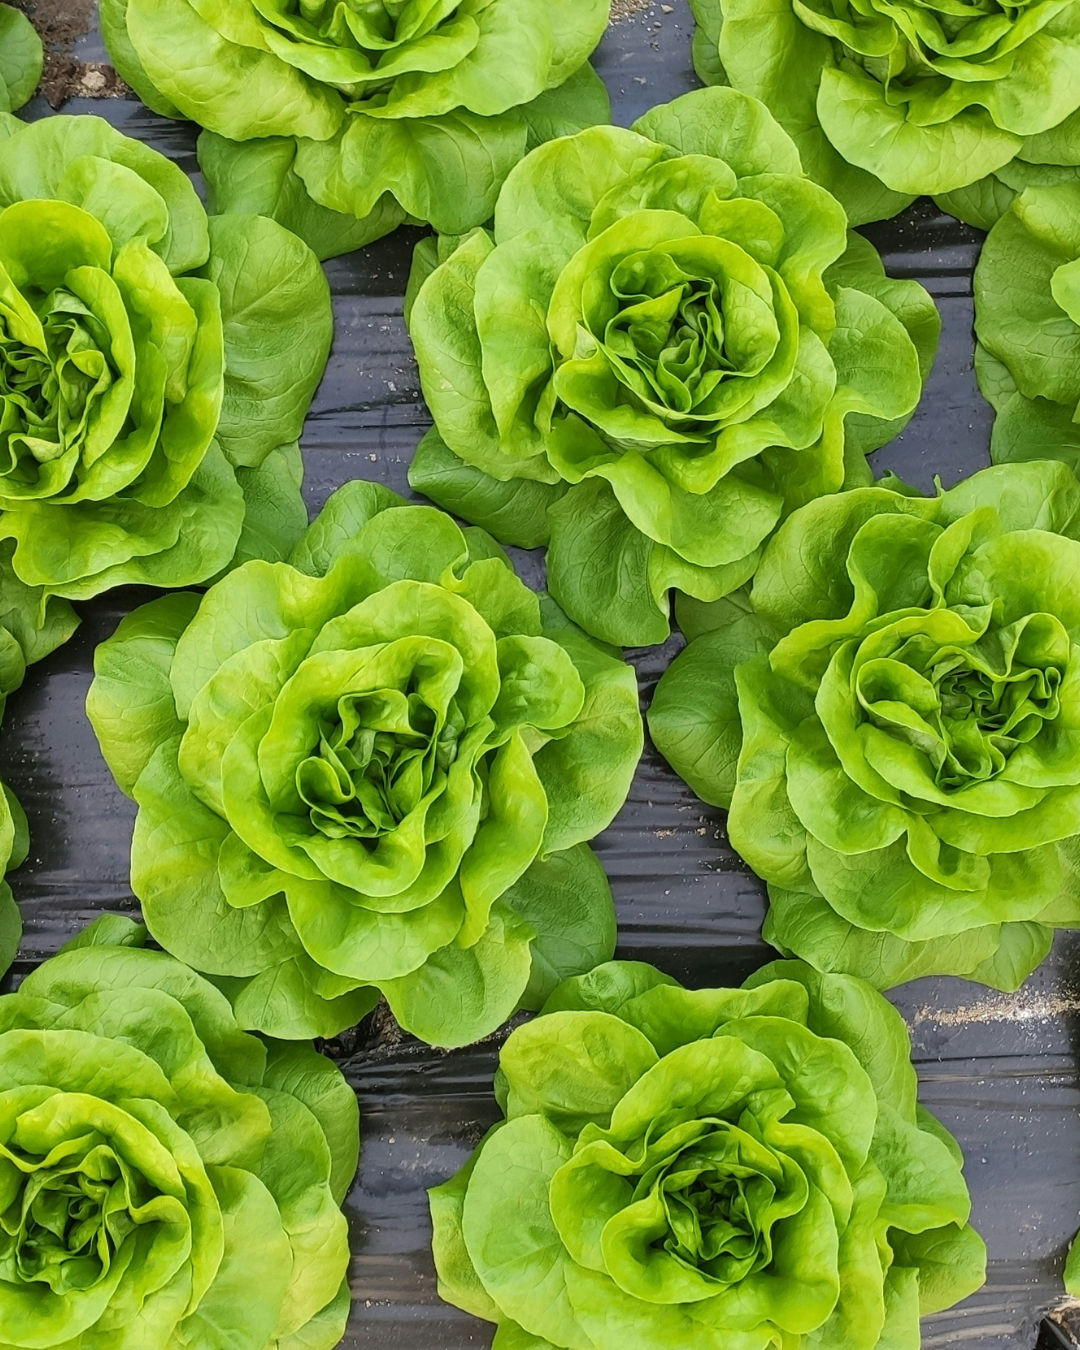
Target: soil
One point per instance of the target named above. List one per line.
(61, 24)
(621, 10)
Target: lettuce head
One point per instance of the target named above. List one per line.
(165, 1178)
(889, 100)
(667, 343)
(343, 120)
(722, 1169)
(156, 367)
(891, 716)
(374, 769)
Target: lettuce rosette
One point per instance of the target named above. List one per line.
(156, 367)
(887, 101)
(722, 1169)
(22, 59)
(892, 718)
(667, 343)
(1027, 319)
(372, 770)
(165, 1179)
(343, 120)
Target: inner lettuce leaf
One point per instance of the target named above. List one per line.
(889, 100)
(156, 367)
(891, 716)
(340, 121)
(667, 343)
(22, 59)
(374, 769)
(722, 1169)
(168, 1180)
(1027, 319)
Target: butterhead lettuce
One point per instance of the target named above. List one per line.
(165, 1178)
(667, 343)
(892, 718)
(373, 769)
(21, 59)
(722, 1169)
(343, 120)
(888, 101)
(156, 367)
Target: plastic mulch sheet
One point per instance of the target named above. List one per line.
(1000, 1071)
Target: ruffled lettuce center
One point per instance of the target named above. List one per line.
(667, 343)
(685, 1213)
(672, 341)
(377, 758)
(363, 46)
(710, 1205)
(902, 43)
(65, 1216)
(964, 708)
(52, 385)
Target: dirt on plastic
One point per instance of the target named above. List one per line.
(61, 24)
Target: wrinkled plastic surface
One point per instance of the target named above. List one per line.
(999, 1071)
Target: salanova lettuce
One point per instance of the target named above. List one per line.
(374, 769)
(722, 1169)
(888, 101)
(342, 120)
(668, 342)
(21, 59)
(1027, 318)
(892, 717)
(32, 624)
(165, 1178)
(155, 367)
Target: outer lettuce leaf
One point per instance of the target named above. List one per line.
(32, 624)
(196, 1172)
(22, 58)
(655, 444)
(1027, 320)
(199, 346)
(718, 1168)
(341, 125)
(469, 742)
(890, 717)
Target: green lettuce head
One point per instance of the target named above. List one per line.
(668, 342)
(343, 120)
(165, 1179)
(722, 1169)
(1027, 318)
(887, 101)
(374, 769)
(892, 718)
(156, 367)
(22, 58)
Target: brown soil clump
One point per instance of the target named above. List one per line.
(61, 23)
